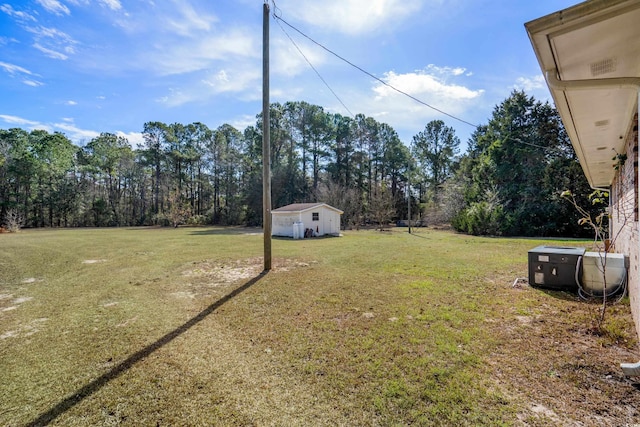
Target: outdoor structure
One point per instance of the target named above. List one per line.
(319, 217)
(590, 57)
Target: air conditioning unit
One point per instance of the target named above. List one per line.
(554, 267)
(598, 266)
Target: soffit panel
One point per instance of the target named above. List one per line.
(593, 40)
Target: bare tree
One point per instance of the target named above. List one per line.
(13, 220)
(381, 206)
(179, 210)
(345, 199)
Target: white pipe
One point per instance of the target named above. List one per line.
(555, 83)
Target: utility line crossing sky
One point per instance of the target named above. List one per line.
(83, 67)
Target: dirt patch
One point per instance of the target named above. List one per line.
(563, 372)
(93, 261)
(25, 330)
(219, 274)
(9, 303)
(183, 294)
(127, 322)
(207, 275)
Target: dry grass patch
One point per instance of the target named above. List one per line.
(179, 327)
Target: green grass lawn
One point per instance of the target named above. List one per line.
(150, 326)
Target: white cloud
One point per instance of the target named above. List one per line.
(179, 57)
(53, 42)
(136, 140)
(24, 16)
(50, 52)
(529, 84)
(175, 98)
(112, 4)
(13, 69)
(287, 60)
(54, 6)
(241, 80)
(67, 126)
(431, 86)
(52, 33)
(74, 133)
(71, 102)
(33, 83)
(242, 122)
(15, 120)
(351, 16)
(186, 21)
(233, 80)
(445, 72)
(423, 83)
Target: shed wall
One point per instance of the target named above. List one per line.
(328, 222)
(282, 224)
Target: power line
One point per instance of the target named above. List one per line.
(311, 65)
(279, 18)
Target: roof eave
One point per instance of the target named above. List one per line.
(559, 39)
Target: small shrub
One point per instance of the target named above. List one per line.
(197, 220)
(481, 218)
(161, 219)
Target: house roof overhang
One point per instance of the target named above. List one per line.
(590, 57)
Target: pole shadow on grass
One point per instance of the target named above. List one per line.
(414, 234)
(95, 385)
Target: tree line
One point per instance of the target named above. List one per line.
(507, 182)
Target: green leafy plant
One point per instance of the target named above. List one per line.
(619, 160)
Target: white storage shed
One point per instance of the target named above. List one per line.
(292, 220)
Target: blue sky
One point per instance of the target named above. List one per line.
(82, 67)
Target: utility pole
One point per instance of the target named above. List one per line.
(409, 203)
(409, 193)
(266, 141)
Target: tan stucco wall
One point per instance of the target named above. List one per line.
(624, 217)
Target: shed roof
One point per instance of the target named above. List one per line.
(302, 207)
(590, 55)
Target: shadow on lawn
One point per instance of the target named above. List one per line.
(95, 385)
(414, 234)
(208, 231)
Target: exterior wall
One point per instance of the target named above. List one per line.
(328, 221)
(325, 223)
(331, 222)
(307, 218)
(624, 218)
(282, 224)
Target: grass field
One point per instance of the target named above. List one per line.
(152, 326)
